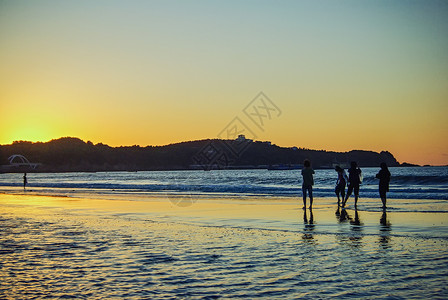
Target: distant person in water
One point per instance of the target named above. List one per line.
(25, 181)
(340, 184)
(354, 180)
(384, 177)
(308, 182)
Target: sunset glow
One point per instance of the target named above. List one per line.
(346, 75)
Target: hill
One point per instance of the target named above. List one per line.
(74, 155)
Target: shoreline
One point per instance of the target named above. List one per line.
(420, 205)
(284, 214)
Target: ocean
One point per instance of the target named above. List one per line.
(406, 183)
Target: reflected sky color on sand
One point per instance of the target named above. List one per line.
(216, 248)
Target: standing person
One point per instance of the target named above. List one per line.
(25, 181)
(340, 184)
(354, 180)
(308, 182)
(384, 177)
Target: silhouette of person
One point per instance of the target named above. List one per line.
(354, 180)
(340, 184)
(308, 182)
(384, 177)
(25, 181)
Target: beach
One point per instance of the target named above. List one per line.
(162, 150)
(138, 247)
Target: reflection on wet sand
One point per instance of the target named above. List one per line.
(309, 225)
(385, 229)
(354, 237)
(151, 250)
(342, 215)
(356, 228)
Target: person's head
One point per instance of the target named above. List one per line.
(338, 169)
(383, 166)
(306, 163)
(354, 164)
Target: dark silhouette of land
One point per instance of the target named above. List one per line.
(73, 155)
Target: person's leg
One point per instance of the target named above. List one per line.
(304, 196)
(310, 190)
(337, 191)
(383, 198)
(349, 192)
(356, 190)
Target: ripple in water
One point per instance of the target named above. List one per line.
(71, 255)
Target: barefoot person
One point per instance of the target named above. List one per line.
(308, 182)
(340, 184)
(384, 177)
(354, 180)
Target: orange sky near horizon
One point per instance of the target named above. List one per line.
(345, 75)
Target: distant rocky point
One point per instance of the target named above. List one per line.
(74, 155)
(405, 164)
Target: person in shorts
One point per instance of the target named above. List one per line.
(340, 184)
(308, 182)
(354, 180)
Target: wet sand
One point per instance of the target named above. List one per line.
(184, 247)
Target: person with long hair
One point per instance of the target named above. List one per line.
(384, 177)
(354, 180)
(340, 184)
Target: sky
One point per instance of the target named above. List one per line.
(333, 75)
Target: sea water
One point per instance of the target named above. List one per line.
(406, 183)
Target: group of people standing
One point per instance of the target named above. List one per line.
(354, 179)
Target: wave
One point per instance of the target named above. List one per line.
(421, 183)
(411, 180)
(397, 192)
